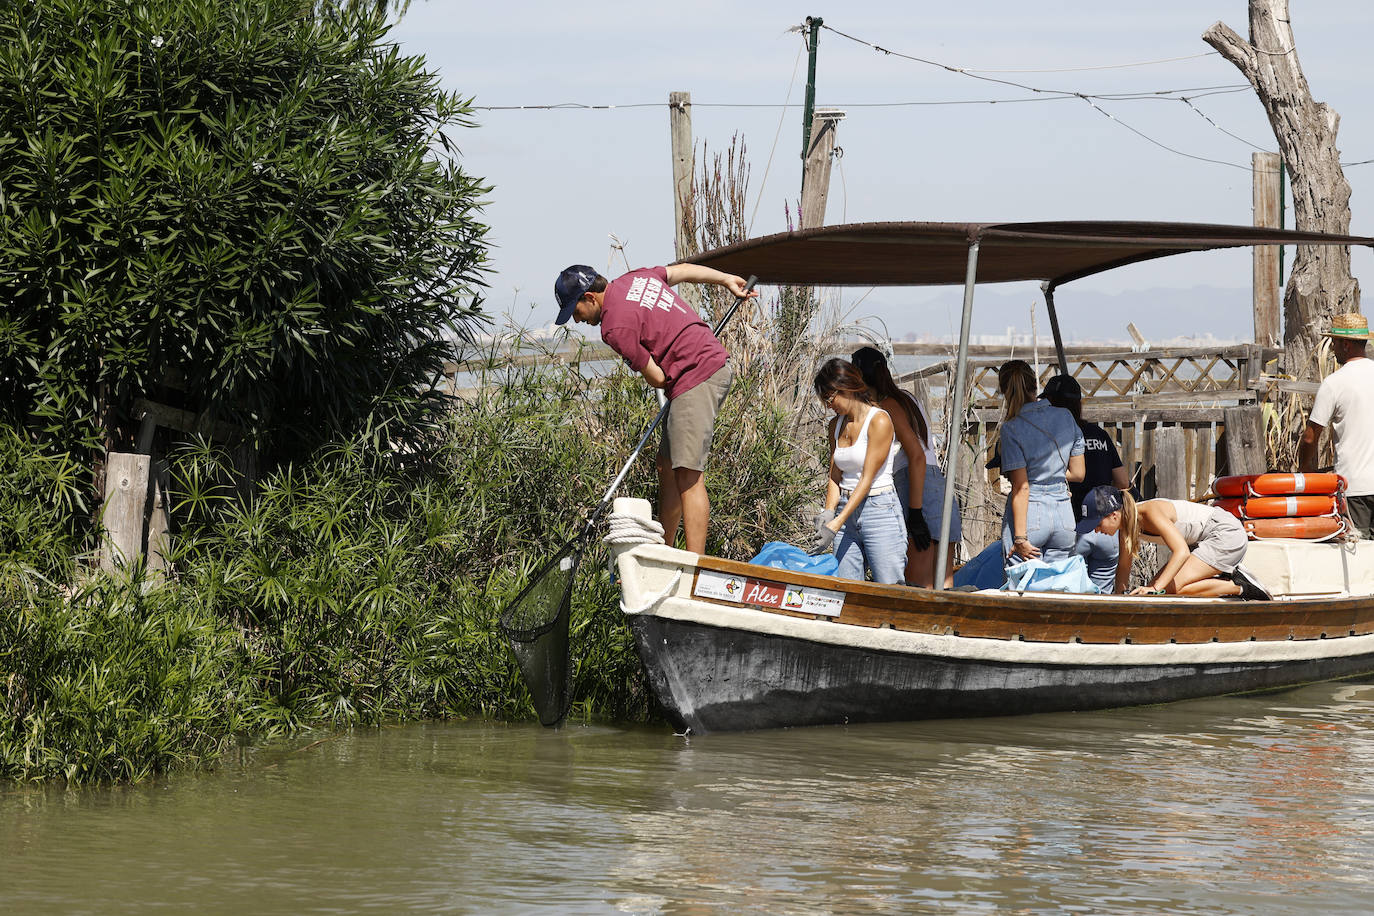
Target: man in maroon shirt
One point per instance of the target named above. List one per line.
(665, 340)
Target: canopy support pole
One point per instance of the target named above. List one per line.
(1048, 289)
(955, 426)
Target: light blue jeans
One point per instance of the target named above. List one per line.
(1049, 522)
(875, 537)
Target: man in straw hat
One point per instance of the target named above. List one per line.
(1345, 402)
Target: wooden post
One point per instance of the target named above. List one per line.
(1245, 445)
(1171, 465)
(1265, 171)
(680, 123)
(159, 515)
(126, 503)
(680, 126)
(816, 170)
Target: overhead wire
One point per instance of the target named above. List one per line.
(1089, 98)
(1138, 63)
(1040, 94)
(776, 134)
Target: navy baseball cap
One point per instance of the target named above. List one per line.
(1062, 386)
(570, 286)
(1101, 501)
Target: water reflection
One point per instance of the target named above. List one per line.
(1237, 805)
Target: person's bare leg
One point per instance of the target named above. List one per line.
(920, 565)
(1198, 580)
(949, 566)
(696, 507)
(669, 501)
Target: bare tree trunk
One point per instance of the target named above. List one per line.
(1320, 285)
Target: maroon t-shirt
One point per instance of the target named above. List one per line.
(641, 317)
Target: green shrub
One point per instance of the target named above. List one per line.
(42, 505)
(228, 204)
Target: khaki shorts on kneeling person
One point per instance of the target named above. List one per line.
(1223, 542)
(691, 420)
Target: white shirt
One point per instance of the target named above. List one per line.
(850, 458)
(1345, 403)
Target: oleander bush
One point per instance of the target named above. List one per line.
(231, 206)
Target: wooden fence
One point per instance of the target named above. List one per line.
(1167, 410)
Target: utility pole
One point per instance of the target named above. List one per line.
(816, 169)
(680, 126)
(680, 123)
(1266, 184)
(812, 28)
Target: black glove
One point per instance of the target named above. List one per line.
(917, 529)
(825, 535)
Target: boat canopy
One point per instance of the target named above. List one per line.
(936, 254)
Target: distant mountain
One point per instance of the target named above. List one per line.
(1205, 313)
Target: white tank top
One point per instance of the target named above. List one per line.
(901, 460)
(850, 458)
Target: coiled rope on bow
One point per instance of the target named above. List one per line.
(624, 528)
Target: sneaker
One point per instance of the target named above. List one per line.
(1250, 587)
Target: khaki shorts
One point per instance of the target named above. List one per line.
(691, 420)
(1223, 542)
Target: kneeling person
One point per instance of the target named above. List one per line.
(1208, 544)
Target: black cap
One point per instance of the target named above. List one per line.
(1062, 386)
(1100, 502)
(570, 286)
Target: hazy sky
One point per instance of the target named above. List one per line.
(564, 180)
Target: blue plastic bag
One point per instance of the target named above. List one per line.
(788, 556)
(1067, 575)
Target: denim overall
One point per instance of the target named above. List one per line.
(1041, 439)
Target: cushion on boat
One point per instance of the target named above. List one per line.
(1295, 567)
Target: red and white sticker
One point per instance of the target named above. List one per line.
(763, 593)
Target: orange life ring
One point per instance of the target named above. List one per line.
(1287, 484)
(1277, 484)
(1287, 506)
(1230, 505)
(1303, 528)
(1239, 485)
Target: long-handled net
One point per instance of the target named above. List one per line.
(536, 622)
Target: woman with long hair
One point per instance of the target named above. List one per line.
(916, 472)
(1042, 450)
(861, 506)
(1107, 537)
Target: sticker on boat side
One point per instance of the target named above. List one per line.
(760, 592)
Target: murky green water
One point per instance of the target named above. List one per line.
(1259, 804)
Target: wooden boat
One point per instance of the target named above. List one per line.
(729, 645)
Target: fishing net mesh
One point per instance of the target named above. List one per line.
(536, 625)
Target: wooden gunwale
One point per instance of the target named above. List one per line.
(1049, 617)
